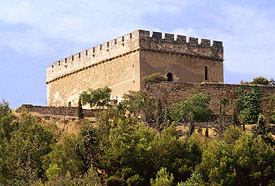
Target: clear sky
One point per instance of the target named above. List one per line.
(35, 33)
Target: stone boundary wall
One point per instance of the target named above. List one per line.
(45, 110)
(139, 39)
(173, 92)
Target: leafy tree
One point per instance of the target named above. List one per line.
(141, 105)
(247, 106)
(192, 109)
(194, 180)
(217, 165)
(7, 124)
(263, 129)
(163, 178)
(232, 134)
(63, 158)
(269, 110)
(26, 149)
(96, 98)
(260, 81)
(254, 161)
(157, 77)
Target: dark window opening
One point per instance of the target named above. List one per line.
(69, 104)
(205, 73)
(169, 77)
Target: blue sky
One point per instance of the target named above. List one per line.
(34, 33)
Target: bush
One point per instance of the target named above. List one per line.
(115, 181)
(260, 81)
(154, 78)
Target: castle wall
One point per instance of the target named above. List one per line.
(120, 74)
(185, 58)
(183, 68)
(175, 92)
(122, 63)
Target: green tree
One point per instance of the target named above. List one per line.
(223, 121)
(96, 98)
(163, 178)
(260, 81)
(63, 158)
(25, 151)
(194, 180)
(141, 105)
(269, 109)
(247, 106)
(217, 165)
(254, 161)
(264, 130)
(192, 109)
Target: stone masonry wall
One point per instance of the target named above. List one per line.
(122, 63)
(54, 111)
(175, 92)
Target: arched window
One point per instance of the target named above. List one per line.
(205, 73)
(169, 77)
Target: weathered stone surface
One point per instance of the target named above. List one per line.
(176, 92)
(67, 111)
(122, 63)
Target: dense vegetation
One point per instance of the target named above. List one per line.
(136, 142)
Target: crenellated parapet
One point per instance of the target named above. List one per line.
(133, 42)
(157, 41)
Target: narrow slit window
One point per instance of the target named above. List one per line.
(205, 73)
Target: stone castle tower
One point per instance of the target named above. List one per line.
(122, 63)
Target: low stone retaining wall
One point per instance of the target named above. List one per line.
(67, 111)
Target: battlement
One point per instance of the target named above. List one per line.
(133, 42)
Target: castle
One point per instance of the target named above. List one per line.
(122, 63)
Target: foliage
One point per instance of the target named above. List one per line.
(32, 142)
(260, 81)
(217, 164)
(157, 77)
(63, 158)
(194, 180)
(80, 110)
(254, 161)
(141, 105)
(269, 110)
(263, 129)
(247, 106)
(192, 109)
(223, 121)
(232, 134)
(121, 149)
(163, 178)
(96, 98)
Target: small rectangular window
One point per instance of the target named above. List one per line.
(205, 73)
